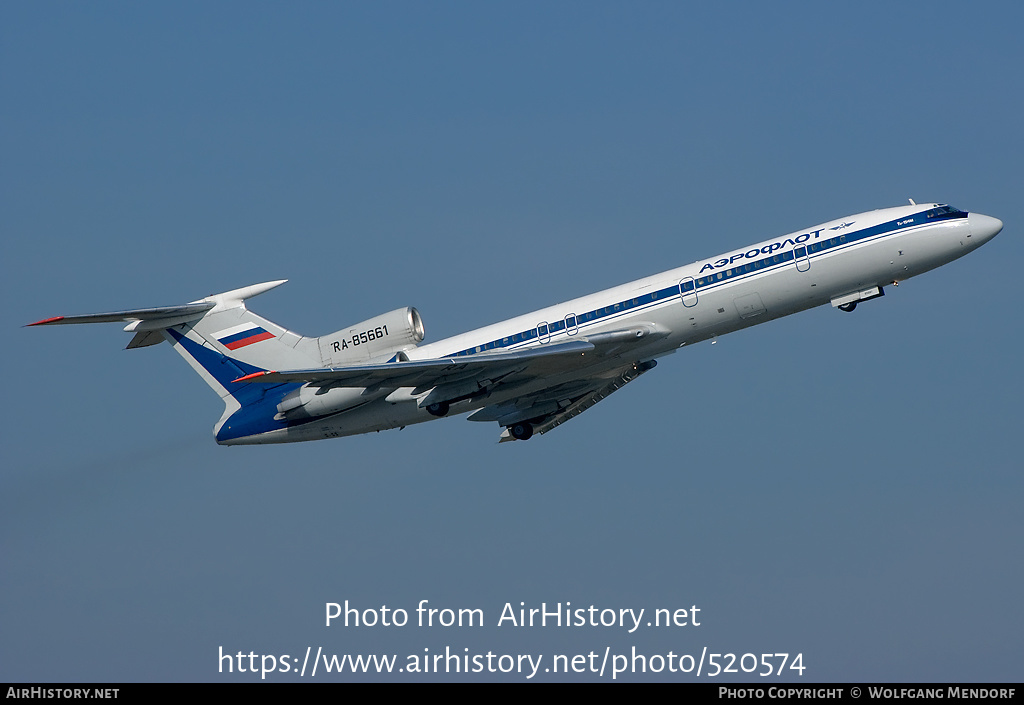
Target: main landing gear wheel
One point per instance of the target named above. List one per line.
(848, 307)
(438, 408)
(521, 431)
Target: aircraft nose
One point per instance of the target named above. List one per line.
(984, 227)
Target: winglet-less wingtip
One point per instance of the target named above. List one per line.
(45, 321)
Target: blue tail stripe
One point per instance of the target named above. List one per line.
(259, 402)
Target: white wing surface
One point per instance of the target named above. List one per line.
(431, 373)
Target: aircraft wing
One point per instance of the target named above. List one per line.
(546, 359)
(587, 371)
(431, 373)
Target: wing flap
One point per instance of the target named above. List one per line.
(545, 418)
(589, 400)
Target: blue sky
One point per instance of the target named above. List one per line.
(842, 486)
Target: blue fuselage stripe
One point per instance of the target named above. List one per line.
(724, 273)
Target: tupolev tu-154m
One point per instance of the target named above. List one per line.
(534, 372)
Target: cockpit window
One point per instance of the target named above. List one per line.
(943, 211)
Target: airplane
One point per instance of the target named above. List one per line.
(532, 373)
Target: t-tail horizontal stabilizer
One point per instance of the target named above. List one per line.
(147, 323)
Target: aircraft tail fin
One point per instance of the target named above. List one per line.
(221, 340)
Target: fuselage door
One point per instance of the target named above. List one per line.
(803, 259)
(571, 326)
(688, 291)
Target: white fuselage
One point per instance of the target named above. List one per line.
(712, 297)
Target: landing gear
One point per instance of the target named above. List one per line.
(521, 431)
(439, 408)
(848, 307)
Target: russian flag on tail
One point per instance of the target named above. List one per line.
(242, 335)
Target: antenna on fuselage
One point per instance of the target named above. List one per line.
(912, 201)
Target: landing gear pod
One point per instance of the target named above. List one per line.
(848, 302)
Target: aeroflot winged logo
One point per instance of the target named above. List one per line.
(241, 336)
